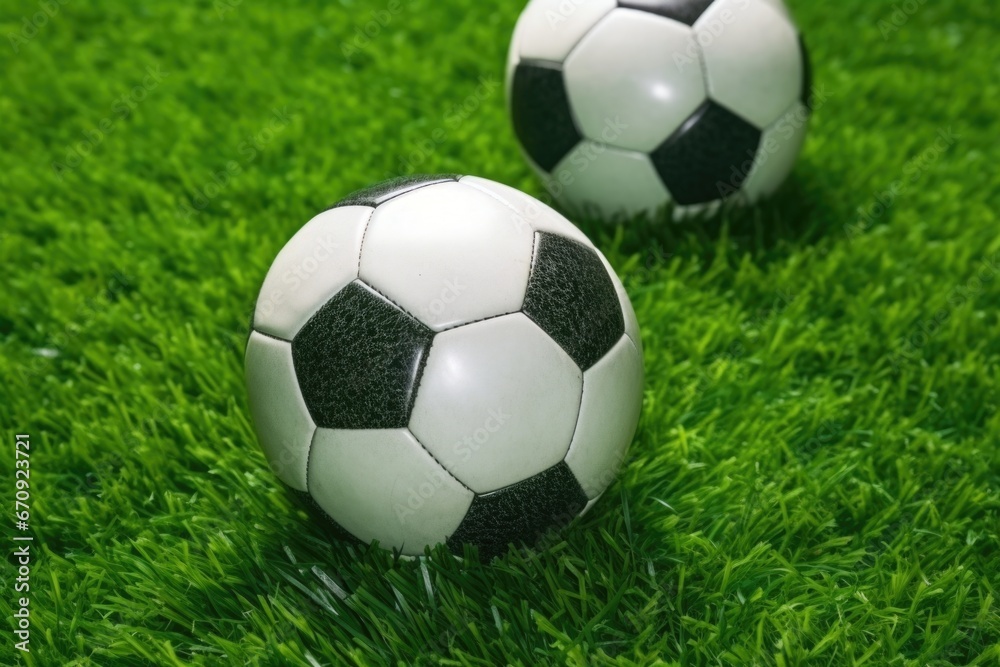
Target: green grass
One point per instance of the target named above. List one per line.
(816, 476)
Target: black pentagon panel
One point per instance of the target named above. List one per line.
(541, 114)
(708, 157)
(359, 360)
(520, 513)
(571, 297)
(685, 11)
(386, 190)
(807, 78)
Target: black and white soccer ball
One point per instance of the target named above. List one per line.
(444, 360)
(626, 106)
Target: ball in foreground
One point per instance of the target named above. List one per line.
(444, 360)
(626, 106)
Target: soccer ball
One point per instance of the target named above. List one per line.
(626, 106)
(444, 360)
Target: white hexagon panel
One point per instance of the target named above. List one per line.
(434, 388)
(779, 149)
(497, 403)
(318, 262)
(599, 181)
(280, 416)
(605, 428)
(528, 211)
(550, 29)
(448, 255)
(634, 79)
(780, 7)
(753, 61)
(686, 86)
(382, 485)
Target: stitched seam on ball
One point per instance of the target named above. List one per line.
(534, 241)
(431, 454)
(784, 113)
(423, 358)
(635, 347)
(364, 235)
(419, 378)
(309, 453)
(499, 199)
(535, 244)
(583, 373)
(631, 340)
(417, 381)
(702, 65)
(542, 62)
(579, 413)
(561, 68)
(379, 292)
(267, 335)
(531, 269)
(481, 319)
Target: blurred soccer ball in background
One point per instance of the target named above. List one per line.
(626, 106)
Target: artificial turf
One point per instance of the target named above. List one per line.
(815, 478)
